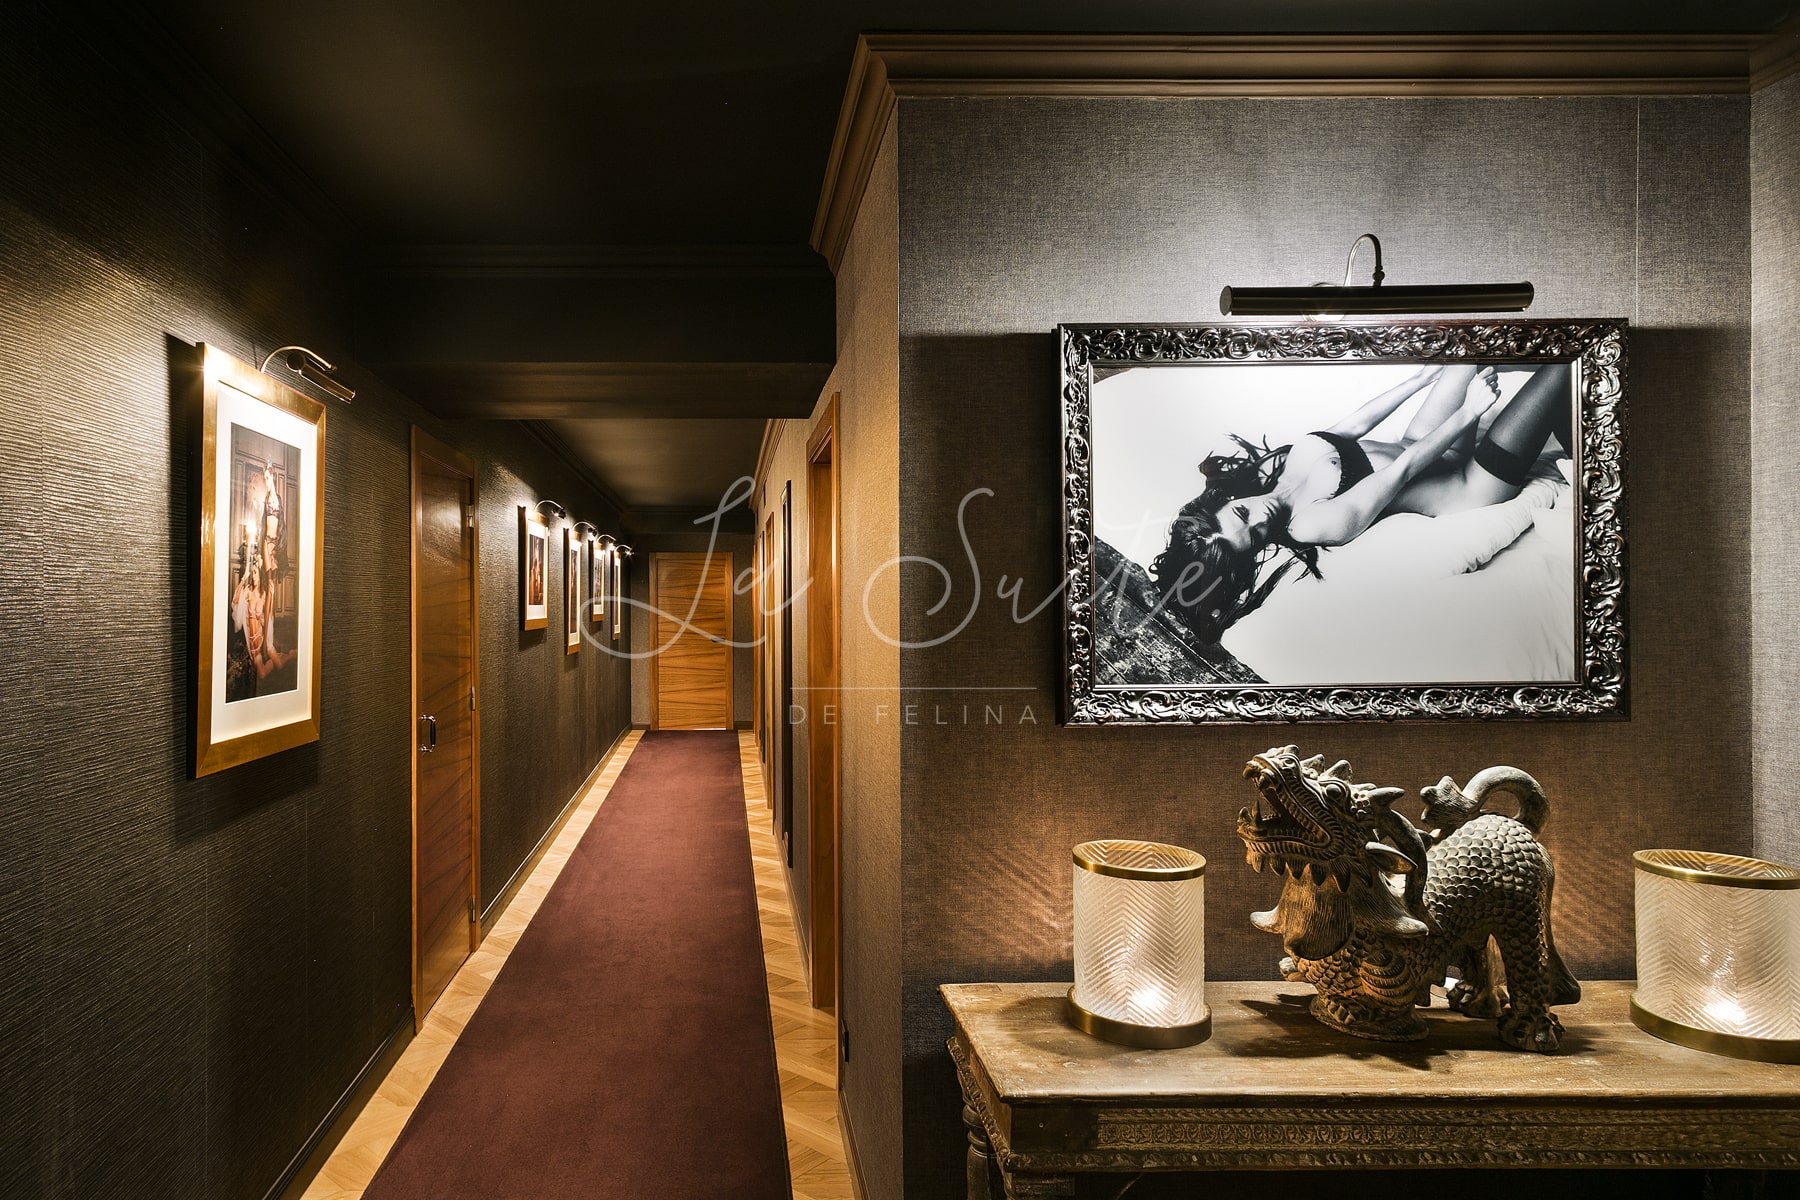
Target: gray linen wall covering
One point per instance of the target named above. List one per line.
(1775, 370)
(1018, 214)
(195, 970)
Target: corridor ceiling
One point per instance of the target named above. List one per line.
(578, 212)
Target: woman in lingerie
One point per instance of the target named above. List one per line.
(1332, 484)
(250, 613)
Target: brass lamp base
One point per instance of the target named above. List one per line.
(1146, 1037)
(1732, 1045)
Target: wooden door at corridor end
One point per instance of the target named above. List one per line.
(446, 733)
(690, 667)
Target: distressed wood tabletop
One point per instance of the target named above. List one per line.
(1274, 1088)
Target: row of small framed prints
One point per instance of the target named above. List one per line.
(606, 579)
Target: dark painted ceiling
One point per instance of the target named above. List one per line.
(698, 126)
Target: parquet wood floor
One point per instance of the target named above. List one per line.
(805, 1039)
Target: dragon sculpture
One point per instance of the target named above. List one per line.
(1374, 910)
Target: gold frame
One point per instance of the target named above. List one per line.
(213, 368)
(571, 591)
(598, 581)
(529, 517)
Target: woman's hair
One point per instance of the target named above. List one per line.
(1203, 579)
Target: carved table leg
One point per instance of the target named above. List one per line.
(1038, 1187)
(979, 1157)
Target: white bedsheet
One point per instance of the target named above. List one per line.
(1484, 596)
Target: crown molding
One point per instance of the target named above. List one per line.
(889, 67)
(554, 443)
(1776, 57)
(434, 261)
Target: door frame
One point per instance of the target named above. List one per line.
(730, 630)
(823, 754)
(765, 656)
(425, 446)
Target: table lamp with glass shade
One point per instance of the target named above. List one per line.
(1140, 963)
(1718, 951)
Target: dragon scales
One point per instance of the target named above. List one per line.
(1375, 910)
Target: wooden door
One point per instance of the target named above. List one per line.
(446, 750)
(822, 704)
(690, 674)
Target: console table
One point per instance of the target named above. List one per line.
(1274, 1089)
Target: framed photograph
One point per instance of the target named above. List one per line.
(597, 579)
(618, 592)
(534, 569)
(1355, 521)
(262, 551)
(571, 592)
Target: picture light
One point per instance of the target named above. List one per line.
(1327, 302)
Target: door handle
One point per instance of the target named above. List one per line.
(430, 742)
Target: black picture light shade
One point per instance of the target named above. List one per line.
(1339, 301)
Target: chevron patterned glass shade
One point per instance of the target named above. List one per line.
(1140, 957)
(1718, 952)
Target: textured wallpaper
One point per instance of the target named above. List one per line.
(866, 381)
(1775, 499)
(1019, 214)
(195, 970)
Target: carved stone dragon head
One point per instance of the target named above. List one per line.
(1347, 857)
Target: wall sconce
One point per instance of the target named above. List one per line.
(310, 366)
(590, 527)
(1718, 951)
(1325, 302)
(550, 506)
(1140, 960)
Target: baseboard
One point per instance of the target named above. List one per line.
(744, 726)
(644, 727)
(312, 1156)
(497, 909)
(857, 1187)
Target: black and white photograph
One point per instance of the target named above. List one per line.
(1289, 534)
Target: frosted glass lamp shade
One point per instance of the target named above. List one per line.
(1718, 951)
(1140, 961)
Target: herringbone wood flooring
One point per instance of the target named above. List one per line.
(805, 1037)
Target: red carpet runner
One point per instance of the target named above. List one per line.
(624, 1052)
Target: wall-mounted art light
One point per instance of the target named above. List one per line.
(548, 507)
(590, 527)
(1718, 953)
(310, 366)
(1326, 302)
(1140, 962)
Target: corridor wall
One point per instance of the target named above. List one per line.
(866, 382)
(196, 970)
(1018, 214)
(1775, 456)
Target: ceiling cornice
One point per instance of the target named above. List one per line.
(423, 260)
(889, 67)
(553, 442)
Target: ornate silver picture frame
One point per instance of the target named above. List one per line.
(1343, 521)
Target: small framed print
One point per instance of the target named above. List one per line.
(262, 550)
(618, 591)
(571, 592)
(534, 570)
(597, 580)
